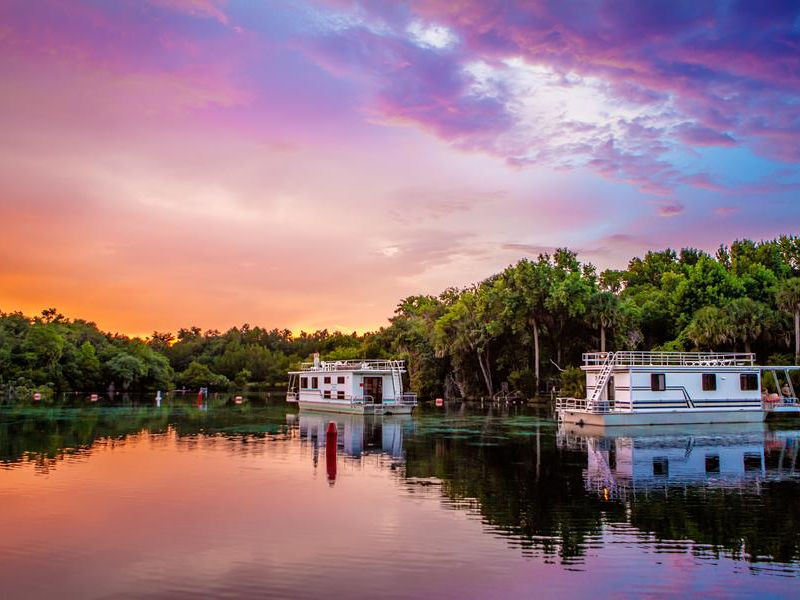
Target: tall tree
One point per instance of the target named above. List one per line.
(603, 312)
(746, 320)
(463, 329)
(527, 286)
(788, 299)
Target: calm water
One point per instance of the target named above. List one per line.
(458, 502)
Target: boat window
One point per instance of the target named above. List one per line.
(752, 461)
(304, 382)
(314, 383)
(340, 379)
(326, 380)
(658, 382)
(709, 382)
(748, 382)
(712, 463)
(340, 395)
(326, 394)
(660, 467)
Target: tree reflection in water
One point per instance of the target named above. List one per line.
(553, 493)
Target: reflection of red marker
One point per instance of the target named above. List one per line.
(330, 452)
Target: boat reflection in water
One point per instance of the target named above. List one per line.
(627, 461)
(356, 435)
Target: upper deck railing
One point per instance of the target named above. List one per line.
(670, 359)
(355, 365)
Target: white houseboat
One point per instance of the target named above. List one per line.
(351, 386)
(653, 388)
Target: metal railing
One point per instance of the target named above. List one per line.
(666, 359)
(582, 404)
(355, 365)
(403, 400)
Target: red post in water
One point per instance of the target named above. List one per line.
(330, 451)
(200, 398)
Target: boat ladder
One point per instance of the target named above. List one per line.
(397, 377)
(601, 382)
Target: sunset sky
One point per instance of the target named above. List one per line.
(307, 164)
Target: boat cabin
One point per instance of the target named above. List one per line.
(648, 388)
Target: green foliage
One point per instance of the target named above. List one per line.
(511, 327)
(242, 377)
(125, 369)
(573, 383)
(198, 375)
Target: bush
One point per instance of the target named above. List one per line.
(573, 383)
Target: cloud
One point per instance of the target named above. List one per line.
(196, 8)
(704, 136)
(650, 78)
(670, 209)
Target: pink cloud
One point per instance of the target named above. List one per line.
(704, 136)
(670, 209)
(202, 8)
(731, 72)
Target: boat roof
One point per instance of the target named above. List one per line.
(669, 359)
(371, 365)
(654, 358)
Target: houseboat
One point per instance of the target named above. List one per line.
(351, 386)
(654, 388)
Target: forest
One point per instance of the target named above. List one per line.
(523, 329)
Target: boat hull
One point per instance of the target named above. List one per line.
(356, 409)
(666, 417)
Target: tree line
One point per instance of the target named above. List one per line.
(523, 328)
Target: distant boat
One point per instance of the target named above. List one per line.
(655, 388)
(351, 386)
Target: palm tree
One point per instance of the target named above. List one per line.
(604, 312)
(788, 298)
(531, 281)
(709, 328)
(463, 329)
(746, 319)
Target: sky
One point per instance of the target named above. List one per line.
(307, 164)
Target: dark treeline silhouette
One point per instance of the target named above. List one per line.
(526, 326)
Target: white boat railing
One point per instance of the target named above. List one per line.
(582, 404)
(355, 365)
(666, 359)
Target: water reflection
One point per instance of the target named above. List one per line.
(356, 434)
(467, 496)
(729, 489)
(627, 461)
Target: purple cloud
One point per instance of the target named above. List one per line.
(707, 74)
(704, 136)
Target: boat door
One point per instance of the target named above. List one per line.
(373, 386)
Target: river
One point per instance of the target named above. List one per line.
(460, 501)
